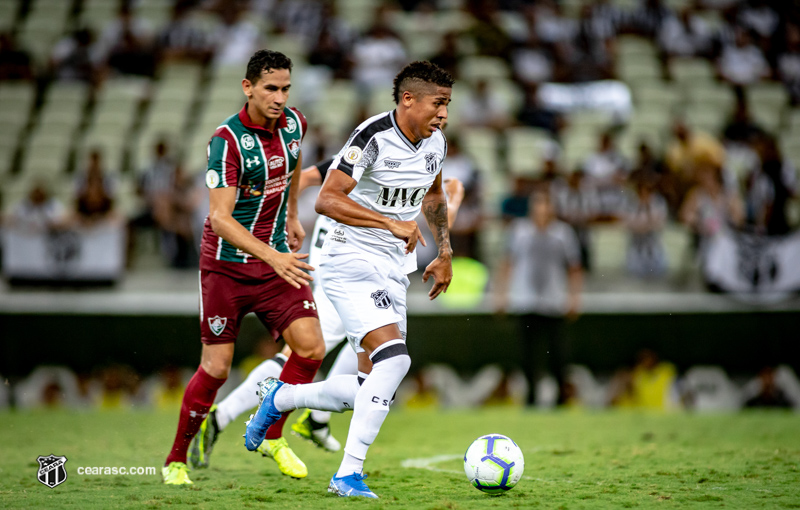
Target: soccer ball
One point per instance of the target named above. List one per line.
(493, 464)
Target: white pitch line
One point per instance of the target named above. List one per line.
(429, 464)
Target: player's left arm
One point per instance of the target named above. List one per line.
(294, 230)
(434, 207)
(454, 191)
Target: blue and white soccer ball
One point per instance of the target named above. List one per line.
(493, 464)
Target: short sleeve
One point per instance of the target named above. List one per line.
(303, 122)
(223, 164)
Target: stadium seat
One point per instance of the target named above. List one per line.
(610, 244)
(477, 67)
(690, 72)
(526, 148)
(481, 145)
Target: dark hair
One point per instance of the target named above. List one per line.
(420, 71)
(264, 60)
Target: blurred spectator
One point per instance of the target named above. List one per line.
(765, 392)
(485, 32)
(464, 231)
(74, 59)
(377, 56)
(592, 52)
(684, 35)
(168, 390)
(742, 63)
(542, 262)
(606, 170)
(448, 57)
(607, 165)
(645, 219)
(788, 64)
(332, 50)
(741, 128)
(515, 204)
(576, 204)
(39, 211)
(483, 108)
(760, 19)
(94, 200)
(532, 61)
(769, 188)
(688, 152)
(153, 188)
(182, 38)
(648, 385)
(648, 18)
(709, 207)
(651, 168)
(177, 221)
(49, 386)
(120, 386)
(236, 38)
(15, 62)
(126, 44)
(534, 114)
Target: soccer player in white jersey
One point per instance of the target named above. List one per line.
(389, 169)
(311, 425)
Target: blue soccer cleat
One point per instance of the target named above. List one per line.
(266, 415)
(351, 485)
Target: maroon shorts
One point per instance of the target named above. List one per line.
(225, 299)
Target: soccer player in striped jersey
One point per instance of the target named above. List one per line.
(248, 260)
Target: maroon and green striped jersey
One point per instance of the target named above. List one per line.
(259, 163)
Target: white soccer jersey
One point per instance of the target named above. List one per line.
(393, 175)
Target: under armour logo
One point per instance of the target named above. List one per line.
(253, 161)
(195, 414)
(309, 305)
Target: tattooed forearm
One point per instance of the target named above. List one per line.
(435, 211)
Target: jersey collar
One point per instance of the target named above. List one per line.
(245, 118)
(412, 146)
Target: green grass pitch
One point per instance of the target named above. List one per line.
(573, 459)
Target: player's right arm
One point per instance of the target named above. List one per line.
(333, 201)
(287, 265)
(224, 162)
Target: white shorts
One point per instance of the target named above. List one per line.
(332, 328)
(367, 291)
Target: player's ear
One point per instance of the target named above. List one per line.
(407, 98)
(247, 87)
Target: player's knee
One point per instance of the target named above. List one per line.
(397, 354)
(312, 350)
(217, 369)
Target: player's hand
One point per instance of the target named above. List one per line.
(295, 234)
(442, 271)
(409, 232)
(289, 267)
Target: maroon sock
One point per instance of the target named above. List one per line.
(297, 370)
(197, 400)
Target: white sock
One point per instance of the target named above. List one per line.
(334, 394)
(390, 363)
(245, 396)
(346, 364)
